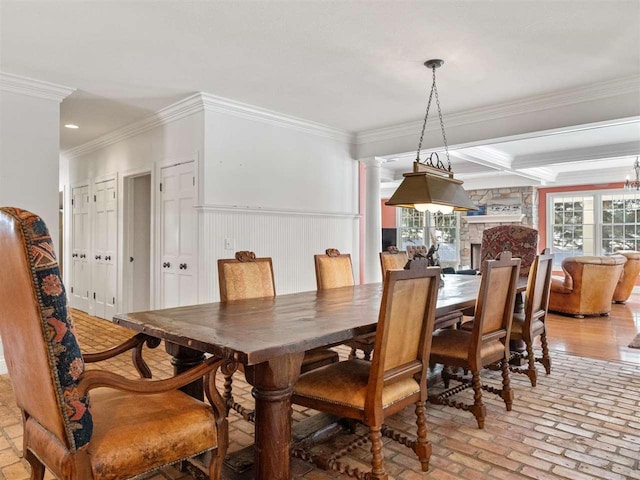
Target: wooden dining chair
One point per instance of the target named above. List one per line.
(245, 277)
(533, 324)
(127, 427)
(485, 344)
(392, 260)
(334, 270)
(395, 378)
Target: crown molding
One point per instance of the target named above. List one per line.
(206, 102)
(597, 152)
(612, 88)
(231, 107)
(183, 108)
(34, 88)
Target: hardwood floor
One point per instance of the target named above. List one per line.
(605, 338)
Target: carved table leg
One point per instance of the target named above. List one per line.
(273, 384)
(184, 358)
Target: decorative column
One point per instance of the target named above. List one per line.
(372, 220)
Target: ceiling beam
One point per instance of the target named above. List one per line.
(577, 155)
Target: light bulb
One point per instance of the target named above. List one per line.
(433, 208)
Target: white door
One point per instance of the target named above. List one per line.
(105, 249)
(178, 230)
(80, 278)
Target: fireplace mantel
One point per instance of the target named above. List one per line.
(513, 218)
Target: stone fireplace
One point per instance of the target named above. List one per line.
(504, 206)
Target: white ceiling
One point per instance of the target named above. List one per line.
(352, 65)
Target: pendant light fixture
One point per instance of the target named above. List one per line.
(431, 185)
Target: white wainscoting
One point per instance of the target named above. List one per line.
(290, 238)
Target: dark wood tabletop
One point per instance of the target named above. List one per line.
(253, 331)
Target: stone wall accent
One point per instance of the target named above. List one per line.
(472, 232)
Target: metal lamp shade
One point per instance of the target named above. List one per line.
(423, 188)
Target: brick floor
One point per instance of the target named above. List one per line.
(581, 422)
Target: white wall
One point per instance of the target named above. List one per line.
(29, 149)
(29, 152)
(279, 191)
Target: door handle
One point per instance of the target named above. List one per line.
(166, 265)
(83, 255)
(98, 257)
(183, 266)
(108, 258)
(130, 259)
(74, 255)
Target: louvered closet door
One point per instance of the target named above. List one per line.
(178, 245)
(105, 249)
(80, 278)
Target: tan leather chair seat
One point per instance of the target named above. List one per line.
(455, 344)
(345, 383)
(518, 323)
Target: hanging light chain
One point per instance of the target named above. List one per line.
(444, 136)
(424, 123)
(434, 89)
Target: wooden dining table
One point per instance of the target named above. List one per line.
(269, 338)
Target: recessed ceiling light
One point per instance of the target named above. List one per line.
(71, 125)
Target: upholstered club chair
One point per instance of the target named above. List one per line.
(485, 344)
(334, 270)
(395, 378)
(521, 241)
(245, 277)
(88, 424)
(629, 276)
(392, 260)
(588, 285)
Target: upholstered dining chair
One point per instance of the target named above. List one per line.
(392, 260)
(629, 276)
(521, 241)
(588, 285)
(89, 424)
(526, 327)
(395, 378)
(244, 277)
(534, 322)
(334, 270)
(487, 343)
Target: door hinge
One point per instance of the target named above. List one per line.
(114, 301)
(194, 181)
(94, 295)
(160, 186)
(71, 289)
(95, 199)
(114, 194)
(72, 202)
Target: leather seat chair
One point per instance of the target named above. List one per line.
(392, 260)
(245, 277)
(521, 241)
(89, 424)
(532, 324)
(588, 285)
(334, 270)
(485, 344)
(629, 276)
(395, 378)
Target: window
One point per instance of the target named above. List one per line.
(593, 223)
(418, 228)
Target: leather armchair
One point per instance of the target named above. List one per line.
(588, 285)
(629, 275)
(95, 424)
